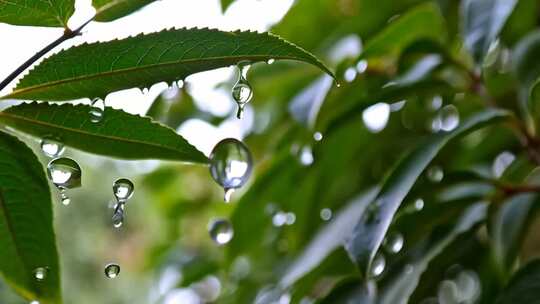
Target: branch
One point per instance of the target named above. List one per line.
(68, 34)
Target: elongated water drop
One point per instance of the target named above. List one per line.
(242, 91)
(40, 273)
(51, 146)
(112, 270)
(230, 164)
(394, 243)
(123, 189)
(96, 110)
(118, 215)
(65, 174)
(221, 231)
(378, 265)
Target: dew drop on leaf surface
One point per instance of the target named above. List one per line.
(51, 146)
(378, 266)
(394, 243)
(40, 273)
(230, 164)
(97, 109)
(112, 270)
(221, 231)
(435, 174)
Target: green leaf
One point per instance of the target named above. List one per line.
(54, 13)
(95, 70)
(109, 10)
(483, 20)
(27, 239)
(524, 286)
(422, 22)
(119, 134)
(371, 229)
(510, 225)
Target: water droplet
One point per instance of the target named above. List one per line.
(51, 146)
(376, 116)
(290, 218)
(436, 102)
(145, 91)
(446, 120)
(419, 204)
(502, 162)
(97, 109)
(242, 91)
(279, 219)
(112, 270)
(180, 84)
(228, 194)
(350, 74)
(362, 66)
(317, 136)
(118, 215)
(448, 292)
(123, 189)
(40, 273)
(326, 214)
(230, 164)
(306, 156)
(394, 243)
(221, 231)
(271, 61)
(435, 174)
(469, 286)
(65, 173)
(378, 265)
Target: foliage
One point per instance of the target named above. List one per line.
(420, 128)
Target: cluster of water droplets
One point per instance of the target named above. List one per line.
(97, 110)
(65, 174)
(393, 244)
(460, 286)
(242, 92)
(123, 189)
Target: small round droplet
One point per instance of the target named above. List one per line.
(326, 214)
(279, 219)
(306, 156)
(221, 231)
(362, 66)
(378, 265)
(40, 273)
(446, 120)
(435, 174)
(419, 204)
(317, 136)
(271, 61)
(112, 270)
(230, 164)
(290, 218)
(123, 189)
(394, 243)
(51, 146)
(64, 172)
(97, 110)
(350, 74)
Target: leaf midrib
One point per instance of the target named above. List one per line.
(79, 131)
(134, 69)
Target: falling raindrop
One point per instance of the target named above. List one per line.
(65, 174)
(51, 146)
(378, 265)
(112, 270)
(394, 243)
(123, 189)
(326, 214)
(221, 231)
(230, 164)
(97, 109)
(317, 136)
(435, 174)
(502, 162)
(40, 273)
(242, 91)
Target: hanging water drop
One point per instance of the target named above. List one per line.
(230, 164)
(112, 270)
(118, 215)
(228, 194)
(394, 243)
(242, 91)
(65, 174)
(51, 146)
(123, 189)
(221, 231)
(40, 273)
(435, 174)
(378, 265)
(97, 109)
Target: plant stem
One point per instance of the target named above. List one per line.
(68, 34)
